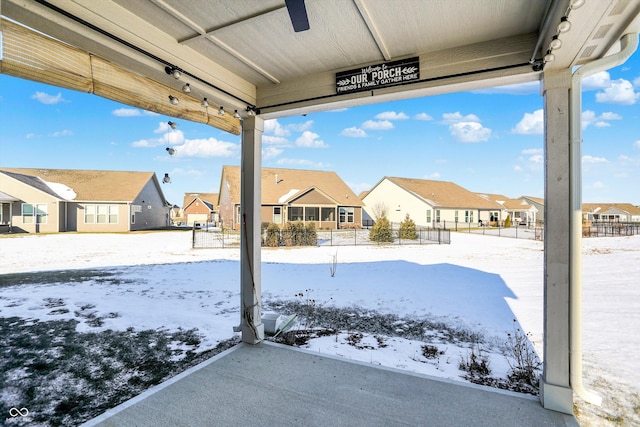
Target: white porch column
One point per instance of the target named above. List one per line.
(250, 203)
(555, 387)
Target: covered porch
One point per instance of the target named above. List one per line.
(271, 59)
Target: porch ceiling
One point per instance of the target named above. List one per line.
(242, 53)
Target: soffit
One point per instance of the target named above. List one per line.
(249, 50)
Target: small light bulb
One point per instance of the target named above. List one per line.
(555, 43)
(564, 25)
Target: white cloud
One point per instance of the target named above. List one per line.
(310, 140)
(537, 159)
(532, 151)
(209, 147)
(127, 112)
(590, 118)
(300, 127)
(530, 124)
(353, 132)
(595, 81)
(598, 185)
(168, 137)
(359, 188)
(273, 127)
(377, 125)
(532, 159)
(274, 140)
(469, 132)
(392, 115)
(592, 159)
(636, 82)
(621, 92)
(271, 152)
(448, 118)
(45, 98)
(637, 144)
(64, 132)
(611, 116)
(132, 112)
(434, 175)
(423, 116)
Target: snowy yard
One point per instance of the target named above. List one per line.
(115, 288)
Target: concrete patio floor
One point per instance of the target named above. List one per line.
(275, 385)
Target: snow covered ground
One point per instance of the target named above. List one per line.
(478, 283)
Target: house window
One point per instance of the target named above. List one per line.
(428, 216)
(494, 216)
(456, 216)
(102, 214)
(328, 214)
(113, 214)
(238, 216)
(437, 215)
(34, 213)
(277, 214)
(468, 216)
(346, 215)
(311, 213)
(296, 213)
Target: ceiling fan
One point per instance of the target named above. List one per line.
(298, 15)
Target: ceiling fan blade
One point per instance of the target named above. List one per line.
(298, 15)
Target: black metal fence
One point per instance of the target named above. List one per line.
(357, 236)
(219, 238)
(213, 237)
(610, 229)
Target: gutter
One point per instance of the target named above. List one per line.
(628, 45)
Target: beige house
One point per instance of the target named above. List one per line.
(538, 202)
(55, 200)
(292, 195)
(428, 203)
(519, 210)
(617, 212)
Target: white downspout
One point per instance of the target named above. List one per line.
(628, 45)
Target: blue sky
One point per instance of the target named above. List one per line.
(486, 141)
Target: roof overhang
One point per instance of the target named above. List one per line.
(246, 55)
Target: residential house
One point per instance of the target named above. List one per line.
(538, 202)
(200, 208)
(519, 210)
(428, 203)
(618, 212)
(292, 195)
(55, 200)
